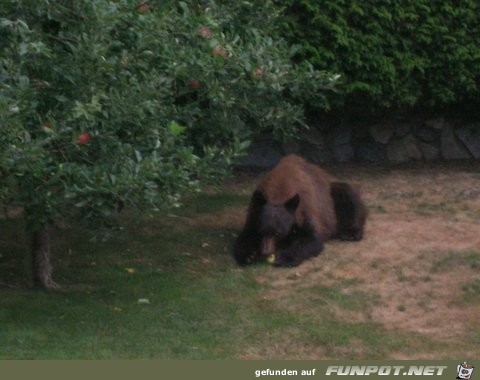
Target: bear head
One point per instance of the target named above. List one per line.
(276, 222)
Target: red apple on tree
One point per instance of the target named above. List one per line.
(84, 138)
(257, 73)
(219, 51)
(143, 7)
(194, 84)
(205, 32)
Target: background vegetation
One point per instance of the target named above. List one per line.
(393, 55)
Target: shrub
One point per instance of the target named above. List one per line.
(392, 54)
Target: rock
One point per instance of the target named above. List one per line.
(427, 134)
(340, 139)
(403, 128)
(452, 149)
(429, 151)
(290, 147)
(314, 148)
(316, 153)
(370, 151)
(411, 147)
(343, 153)
(341, 135)
(438, 123)
(314, 136)
(470, 137)
(382, 132)
(263, 153)
(403, 149)
(396, 152)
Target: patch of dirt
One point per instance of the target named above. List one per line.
(395, 262)
(11, 212)
(230, 217)
(417, 218)
(288, 351)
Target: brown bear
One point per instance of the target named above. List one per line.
(294, 209)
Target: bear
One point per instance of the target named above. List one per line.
(294, 209)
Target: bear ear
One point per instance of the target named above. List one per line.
(292, 204)
(258, 198)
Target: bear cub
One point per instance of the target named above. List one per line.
(294, 210)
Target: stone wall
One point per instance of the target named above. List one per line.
(390, 141)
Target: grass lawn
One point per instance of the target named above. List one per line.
(166, 287)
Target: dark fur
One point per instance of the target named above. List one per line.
(299, 206)
(350, 211)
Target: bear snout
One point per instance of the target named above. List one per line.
(268, 246)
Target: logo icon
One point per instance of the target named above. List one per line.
(464, 371)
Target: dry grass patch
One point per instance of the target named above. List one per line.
(419, 218)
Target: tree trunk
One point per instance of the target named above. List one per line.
(42, 268)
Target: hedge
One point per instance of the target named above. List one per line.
(392, 54)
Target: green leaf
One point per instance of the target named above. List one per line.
(138, 155)
(176, 128)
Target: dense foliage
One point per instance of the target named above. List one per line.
(107, 103)
(392, 54)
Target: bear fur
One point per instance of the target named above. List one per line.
(294, 210)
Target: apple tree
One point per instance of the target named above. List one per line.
(105, 104)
